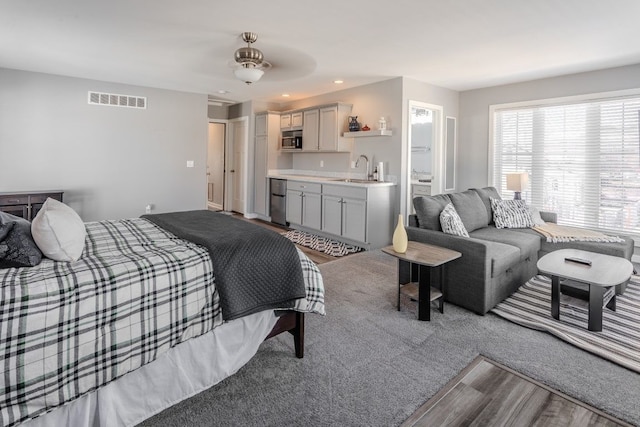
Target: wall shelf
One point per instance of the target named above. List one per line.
(363, 133)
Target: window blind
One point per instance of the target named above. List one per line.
(583, 160)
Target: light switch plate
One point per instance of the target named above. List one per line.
(190, 163)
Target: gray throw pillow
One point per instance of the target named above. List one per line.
(471, 209)
(17, 247)
(428, 210)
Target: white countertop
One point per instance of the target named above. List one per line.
(333, 180)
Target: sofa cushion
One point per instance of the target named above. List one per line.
(471, 209)
(511, 213)
(486, 194)
(428, 210)
(529, 244)
(451, 222)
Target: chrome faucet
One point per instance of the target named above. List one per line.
(369, 175)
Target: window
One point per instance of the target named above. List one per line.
(583, 159)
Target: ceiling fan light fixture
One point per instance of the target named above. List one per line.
(248, 74)
(249, 60)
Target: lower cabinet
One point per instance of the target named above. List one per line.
(360, 215)
(304, 204)
(344, 216)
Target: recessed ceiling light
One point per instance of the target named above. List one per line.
(286, 95)
(222, 91)
(338, 81)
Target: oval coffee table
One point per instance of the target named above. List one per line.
(604, 272)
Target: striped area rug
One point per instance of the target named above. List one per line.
(619, 340)
(320, 244)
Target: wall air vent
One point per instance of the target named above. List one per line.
(117, 100)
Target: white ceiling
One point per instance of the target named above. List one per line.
(187, 44)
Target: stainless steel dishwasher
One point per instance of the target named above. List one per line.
(278, 201)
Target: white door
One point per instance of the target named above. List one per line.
(237, 160)
(215, 166)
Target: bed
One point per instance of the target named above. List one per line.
(155, 310)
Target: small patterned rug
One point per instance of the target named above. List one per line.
(321, 244)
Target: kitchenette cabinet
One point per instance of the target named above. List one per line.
(323, 128)
(291, 121)
(304, 203)
(344, 211)
(267, 155)
(357, 214)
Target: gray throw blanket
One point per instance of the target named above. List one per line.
(255, 269)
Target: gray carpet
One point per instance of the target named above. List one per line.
(366, 364)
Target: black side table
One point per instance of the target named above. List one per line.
(418, 263)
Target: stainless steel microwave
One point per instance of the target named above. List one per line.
(291, 140)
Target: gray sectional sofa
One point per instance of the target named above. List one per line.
(495, 262)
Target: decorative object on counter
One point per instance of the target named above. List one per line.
(382, 124)
(366, 128)
(400, 240)
(354, 126)
(381, 171)
(375, 173)
(320, 244)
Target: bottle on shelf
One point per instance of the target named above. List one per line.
(382, 124)
(375, 174)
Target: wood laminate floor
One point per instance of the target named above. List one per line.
(489, 394)
(315, 256)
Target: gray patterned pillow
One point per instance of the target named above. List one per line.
(511, 213)
(451, 222)
(17, 248)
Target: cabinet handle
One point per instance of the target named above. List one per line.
(13, 201)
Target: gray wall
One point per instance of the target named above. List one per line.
(110, 161)
(473, 126)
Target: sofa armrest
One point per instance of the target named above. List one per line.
(549, 216)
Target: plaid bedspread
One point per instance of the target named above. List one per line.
(138, 290)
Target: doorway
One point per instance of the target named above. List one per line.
(237, 165)
(215, 165)
(424, 153)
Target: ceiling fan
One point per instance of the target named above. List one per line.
(250, 63)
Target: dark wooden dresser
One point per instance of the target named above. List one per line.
(26, 204)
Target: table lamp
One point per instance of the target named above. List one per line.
(517, 182)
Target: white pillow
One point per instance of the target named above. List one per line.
(535, 216)
(58, 231)
(511, 213)
(451, 222)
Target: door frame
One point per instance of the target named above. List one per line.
(224, 162)
(229, 141)
(437, 182)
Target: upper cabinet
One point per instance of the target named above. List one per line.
(310, 130)
(291, 121)
(323, 128)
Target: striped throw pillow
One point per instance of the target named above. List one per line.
(511, 213)
(451, 223)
